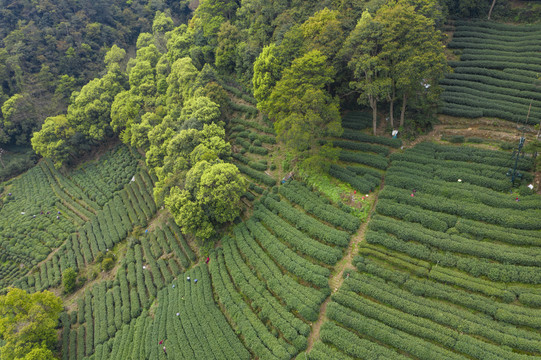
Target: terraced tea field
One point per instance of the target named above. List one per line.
(498, 72)
(449, 267)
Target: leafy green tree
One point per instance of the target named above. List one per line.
(468, 8)
(273, 59)
(149, 53)
(90, 111)
(183, 150)
(180, 83)
(412, 51)
(302, 109)
(320, 161)
(432, 9)
(200, 110)
(125, 111)
(228, 39)
(69, 280)
(158, 137)
(161, 25)
(65, 86)
(362, 49)
(18, 118)
(162, 71)
(217, 94)
(115, 55)
(53, 141)
(267, 71)
(27, 324)
(205, 76)
(350, 12)
(323, 31)
(179, 42)
(213, 13)
(39, 353)
(144, 39)
(188, 214)
(246, 54)
(219, 192)
(211, 196)
(257, 16)
(140, 131)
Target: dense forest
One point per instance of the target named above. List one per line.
(167, 100)
(244, 145)
(49, 50)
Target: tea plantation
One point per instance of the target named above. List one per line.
(449, 267)
(426, 252)
(498, 71)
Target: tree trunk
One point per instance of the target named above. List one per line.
(374, 106)
(391, 107)
(403, 111)
(491, 8)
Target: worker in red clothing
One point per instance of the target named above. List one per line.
(208, 259)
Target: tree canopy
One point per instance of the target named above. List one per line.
(396, 52)
(169, 101)
(27, 324)
(211, 196)
(300, 105)
(49, 49)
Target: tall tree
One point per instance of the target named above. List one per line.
(213, 13)
(90, 112)
(272, 61)
(199, 110)
(300, 105)
(362, 49)
(323, 31)
(491, 8)
(18, 118)
(27, 324)
(180, 84)
(53, 141)
(211, 196)
(267, 71)
(412, 52)
(228, 39)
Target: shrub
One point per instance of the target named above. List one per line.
(69, 280)
(524, 190)
(475, 140)
(363, 184)
(307, 223)
(258, 150)
(362, 137)
(258, 176)
(376, 161)
(107, 264)
(457, 139)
